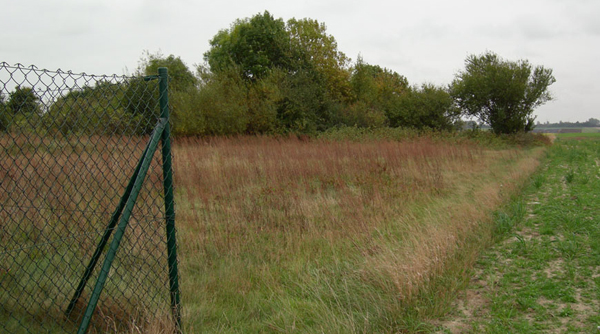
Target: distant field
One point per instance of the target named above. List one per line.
(579, 135)
(554, 130)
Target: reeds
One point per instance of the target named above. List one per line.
(254, 185)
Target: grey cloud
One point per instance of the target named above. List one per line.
(534, 29)
(591, 26)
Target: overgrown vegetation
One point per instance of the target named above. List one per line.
(267, 76)
(58, 197)
(296, 234)
(314, 194)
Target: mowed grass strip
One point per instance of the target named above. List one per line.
(291, 235)
(545, 277)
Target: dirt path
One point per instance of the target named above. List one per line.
(545, 278)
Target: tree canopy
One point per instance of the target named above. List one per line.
(254, 46)
(427, 106)
(294, 73)
(264, 75)
(318, 51)
(501, 93)
(23, 101)
(181, 78)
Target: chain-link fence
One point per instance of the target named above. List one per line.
(86, 204)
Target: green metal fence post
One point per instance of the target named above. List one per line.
(163, 88)
(114, 246)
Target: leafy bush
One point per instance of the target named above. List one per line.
(4, 114)
(96, 110)
(23, 101)
(141, 100)
(426, 107)
(361, 115)
(221, 105)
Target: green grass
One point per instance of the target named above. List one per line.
(544, 277)
(578, 135)
(591, 130)
(583, 129)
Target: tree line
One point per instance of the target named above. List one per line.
(590, 123)
(267, 76)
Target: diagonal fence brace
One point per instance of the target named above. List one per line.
(105, 237)
(129, 200)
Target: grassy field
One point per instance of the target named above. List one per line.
(544, 277)
(350, 233)
(583, 129)
(290, 235)
(579, 135)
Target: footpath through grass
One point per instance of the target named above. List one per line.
(545, 277)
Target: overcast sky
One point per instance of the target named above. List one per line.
(426, 40)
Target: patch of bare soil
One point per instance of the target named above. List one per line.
(473, 305)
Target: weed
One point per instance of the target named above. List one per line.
(309, 235)
(538, 180)
(570, 176)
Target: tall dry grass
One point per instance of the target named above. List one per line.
(276, 234)
(241, 187)
(291, 234)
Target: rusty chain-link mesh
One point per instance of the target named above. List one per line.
(69, 144)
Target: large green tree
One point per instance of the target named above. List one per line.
(23, 101)
(318, 51)
(141, 97)
(254, 46)
(220, 106)
(293, 71)
(376, 85)
(501, 93)
(376, 92)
